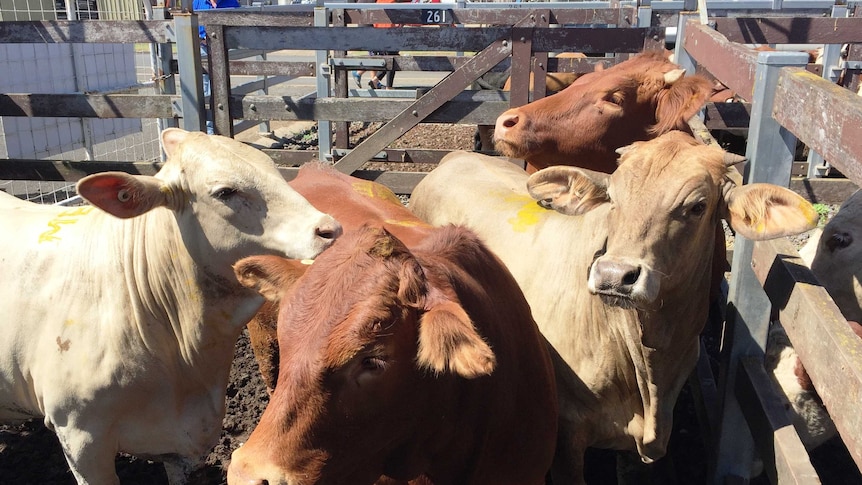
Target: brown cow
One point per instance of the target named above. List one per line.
(583, 124)
(354, 201)
(617, 274)
(403, 362)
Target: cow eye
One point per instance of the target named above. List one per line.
(617, 99)
(373, 364)
(698, 208)
(223, 193)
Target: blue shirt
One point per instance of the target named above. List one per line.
(206, 5)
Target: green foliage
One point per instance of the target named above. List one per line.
(823, 211)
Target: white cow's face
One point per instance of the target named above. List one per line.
(229, 199)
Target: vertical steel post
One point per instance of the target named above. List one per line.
(770, 156)
(189, 62)
(162, 70)
(324, 127)
(680, 56)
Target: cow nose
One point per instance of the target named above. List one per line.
(616, 277)
(505, 122)
(328, 230)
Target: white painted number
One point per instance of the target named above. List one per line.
(435, 16)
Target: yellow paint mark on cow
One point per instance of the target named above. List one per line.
(66, 217)
(63, 345)
(375, 191)
(407, 223)
(528, 215)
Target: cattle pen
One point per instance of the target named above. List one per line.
(785, 100)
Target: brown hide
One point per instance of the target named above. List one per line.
(585, 123)
(554, 82)
(414, 363)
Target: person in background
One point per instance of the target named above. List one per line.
(206, 5)
(377, 77)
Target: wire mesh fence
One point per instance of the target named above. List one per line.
(75, 68)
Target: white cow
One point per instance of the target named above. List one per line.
(616, 269)
(119, 321)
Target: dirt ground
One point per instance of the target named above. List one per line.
(30, 454)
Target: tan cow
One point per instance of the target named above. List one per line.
(119, 319)
(616, 271)
(419, 362)
(601, 111)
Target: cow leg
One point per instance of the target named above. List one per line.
(88, 455)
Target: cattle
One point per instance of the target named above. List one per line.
(837, 260)
(584, 124)
(355, 202)
(121, 316)
(616, 270)
(417, 363)
(834, 258)
(554, 82)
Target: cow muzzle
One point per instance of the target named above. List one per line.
(623, 282)
(246, 472)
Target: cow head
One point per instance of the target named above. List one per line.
(582, 125)
(228, 198)
(666, 198)
(838, 261)
(369, 346)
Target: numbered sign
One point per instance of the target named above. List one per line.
(436, 16)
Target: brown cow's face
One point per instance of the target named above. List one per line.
(600, 112)
(354, 377)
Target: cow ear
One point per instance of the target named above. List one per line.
(568, 190)
(765, 211)
(171, 138)
(121, 194)
(679, 101)
(449, 341)
(271, 276)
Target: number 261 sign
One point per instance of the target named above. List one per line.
(436, 16)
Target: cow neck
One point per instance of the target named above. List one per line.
(200, 319)
(655, 367)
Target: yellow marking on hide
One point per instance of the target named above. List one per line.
(375, 191)
(529, 214)
(406, 223)
(70, 216)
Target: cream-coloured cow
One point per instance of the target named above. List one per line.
(616, 269)
(119, 319)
